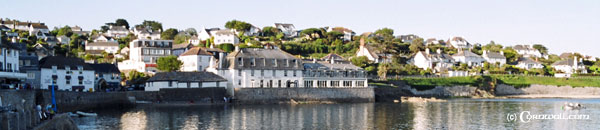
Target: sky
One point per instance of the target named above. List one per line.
(562, 26)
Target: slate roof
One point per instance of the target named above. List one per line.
(466, 53)
(197, 51)
(118, 28)
(105, 68)
(103, 44)
(526, 60)
(39, 26)
(181, 45)
(341, 29)
(327, 65)
(263, 59)
(224, 32)
(60, 62)
(568, 62)
(186, 77)
(436, 56)
(285, 25)
(523, 47)
(332, 55)
(495, 55)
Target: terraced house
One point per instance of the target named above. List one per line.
(333, 73)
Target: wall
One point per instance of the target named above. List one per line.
(67, 101)
(271, 95)
(205, 95)
(547, 90)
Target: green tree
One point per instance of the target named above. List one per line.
(270, 31)
(168, 34)
(385, 32)
(66, 31)
(382, 70)
(238, 25)
(168, 63)
(191, 31)
(311, 33)
(510, 54)
(416, 45)
(227, 47)
(154, 25)
(492, 46)
(541, 48)
(333, 35)
(122, 22)
(361, 61)
(181, 38)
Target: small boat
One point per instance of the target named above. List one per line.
(86, 114)
(71, 114)
(572, 106)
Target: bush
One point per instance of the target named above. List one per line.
(227, 47)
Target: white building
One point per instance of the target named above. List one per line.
(372, 54)
(117, 31)
(408, 38)
(434, 61)
(225, 36)
(254, 31)
(103, 38)
(205, 34)
(468, 57)
(494, 57)
(179, 49)
(143, 54)
(66, 73)
(259, 68)
(9, 65)
(107, 76)
(570, 66)
(527, 51)
(527, 63)
(196, 59)
(146, 33)
(63, 39)
(79, 31)
(184, 80)
(348, 34)
(108, 47)
(459, 43)
(288, 29)
(39, 30)
(333, 74)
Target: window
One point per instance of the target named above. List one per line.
(284, 73)
(322, 84)
(239, 72)
(80, 81)
(240, 82)
(270, 84)
(170, 83)
(294, 73)
(287, 63)
(279, 83)
(274, 62)
(240, 61)
(360, 83)
(347, 83)
(53, 68)
(262, 73)
(335, 83)
(68, 69)
(273, 73)
(261, 83)
(67, 80)
(80, 68)
(251, 72)
(252, 62)
(308, 83)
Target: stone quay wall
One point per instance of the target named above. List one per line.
(537, 89)
(278, 95)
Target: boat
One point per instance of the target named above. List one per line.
(86, 114)
(572, 106)
(71, 114)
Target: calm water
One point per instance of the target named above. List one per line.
(459, 114)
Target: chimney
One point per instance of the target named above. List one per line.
(221, 59)
(427, 51)
(439, 51)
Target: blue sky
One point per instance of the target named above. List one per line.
(563, 26)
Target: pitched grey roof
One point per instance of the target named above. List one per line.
(60, 62)
(332, 56)
(118, 28)
(105, 68)
(181, 46)
(224, 32)
(466, 54)
(568, 62)
(436, 56)
(187, 77)
(327, 65)
(523, 47)
(103, 44)
(495, 55)
(259, 58)
(285, 25)
(525, 60)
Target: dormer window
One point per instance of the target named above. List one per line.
(294, 62)
(240, 61)
(274, 62)
(287, 63)
(54, 69)
(80, 68)
(68, 69)
(252, 62)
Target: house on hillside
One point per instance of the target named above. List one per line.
(205, 34)
(66, 73)
(348, 34)
(289, 30)
(332, 73)
(117, 31)
(179, 49)
(107, 76)
(528, 63)
(146, 33)
(195, 41)
(225, 36)
(459, 43)
(143, 54)
(79, 31)
(103, 38)
(43, 50)
(184, 80)
(63, 39)
(527, 51)
(39, 30)
(437, 61)
(494, 57)
(108, 47)
(468, 57)
(373, 54)
(332, 56)
(260, 68)
(570, 66)
(196, 59)
(408, 38)
(9, 65)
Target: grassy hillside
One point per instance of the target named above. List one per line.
(514, 80)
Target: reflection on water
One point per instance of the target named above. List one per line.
(454, 114)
